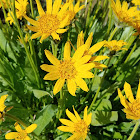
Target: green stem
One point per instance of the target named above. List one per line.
(110, 19)
(99, 88)
(15, 119)
(54, 48)
(32, 10)
(112, 33)
(134, 130)
(133, 49)
(26, 49)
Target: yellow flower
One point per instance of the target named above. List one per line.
(78, 127)
(73, 10)
(26, 38)
(21, 134)
(4, 3)
(2, 106)
(50, 22)
(136, 2)
(92, 50)
(132, 108)
(122, 12)
(115, 45)
(20, 6)
(70, 69)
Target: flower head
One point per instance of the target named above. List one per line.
(70, 69)
(4, 4)
(132, 108)
(50, 22)
(78, 127)
(115, 45)
(122, 12)
(73, 10)
(91, 50)
(21, 134)
(2, 106)
(20, 6)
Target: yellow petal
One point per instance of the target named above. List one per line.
(49, 6)
(80, 39)
(77, 9)
(71, 86)
(32, 28)
(56, 6)
(58, 85)
(27, 138)
(31, 128)
(48, 68)
(118, 5)
(71, 116)
(67, 51)
(86, 74)
(52, 76)
(63, 10)
(60, 31)
(40, 9)
(88, 121)
(96, 47)
(122, 99)
(81, 83)
(52, 58)
(66, 122)
(64, 22)
(36, 35)
(89, 40)
(44, 36)
(99, 58)
(55, 36)
(79, 53)
(66, 128)
(74, 137)
(83, 60)
(33, 22)
(76, 114)
(85, 67)
(85, 113)
(17, 127)
(3, 98)
(128, 92)
(138, 91)
(11, 135)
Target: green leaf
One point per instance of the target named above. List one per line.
(100, 118)
(125, 126)
(40, 93)
(44, 118)
(117, 135)
(96, 83)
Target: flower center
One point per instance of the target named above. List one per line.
(81, 127)
(22, 135)
(136, 107)
(48, 23)
(67, 69)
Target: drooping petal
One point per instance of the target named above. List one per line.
(31, 128)
(11, 135)
(55, 36)
(58, 85)
(71, 86)
(71, 116)
(66, 128)
(39, 7)
(60, 31)
(76, 114)
(33, 22)
(66, 122)
(49, 6)
(32, 28)
(36, 35)
(43, 37)
(96, 47)
(81, 83)
(67, 51)
(138, 91)
(88, 121)
(48, 68)
(128, 92)
(52, 58)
